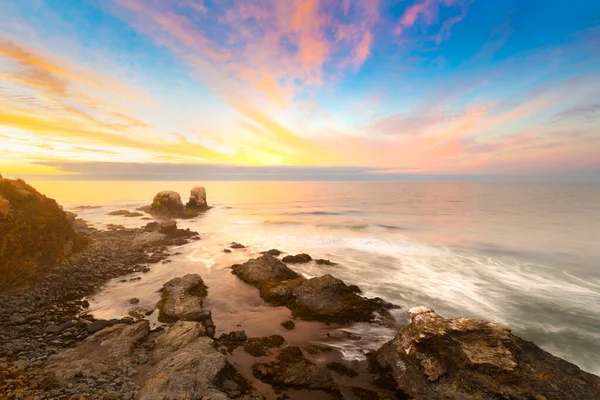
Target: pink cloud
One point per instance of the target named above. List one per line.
(428, 11)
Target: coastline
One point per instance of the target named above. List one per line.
(49, 318)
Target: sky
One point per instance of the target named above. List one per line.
(330, 89)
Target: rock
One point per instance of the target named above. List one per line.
(321, 261)
(325, 298)
(329, 299)
(226, 251)
(259, 270)
(85, 304)
(152, 226)
(177, 336)
(258, 347)
(197, 198)
(167, 203)
(134, 300)
(188, 373)
(341, 369)
(116, 346)
(97, 326)
(438, 358)
(125, 213)
(53, 329)
(292, 370)
(182, 299)
(148, 238)
(289, 325)
(168, 227)
(272, 252)
(235, 245)
(297, 259)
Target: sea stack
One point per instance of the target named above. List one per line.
(197, 198)
(167, 202)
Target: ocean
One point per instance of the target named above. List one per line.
(521, 254)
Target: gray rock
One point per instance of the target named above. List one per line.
(115, 346)
(182, 299)
(189, 373)
(97, 326)
(148, 238)
(177, 336)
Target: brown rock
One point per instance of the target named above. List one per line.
(437, 358)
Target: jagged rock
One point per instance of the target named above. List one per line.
(324, 298)
(189, 373)
(197, 198)
(258, 271)
(114, 345)
(438, 358)
(182, 299)
(167, 203)
(329, 299)
(235, 245)
(292, 370)
(297, 259)
(177, 336)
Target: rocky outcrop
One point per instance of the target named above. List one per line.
(35, 233)
(179, 335)
(292, 370)
(167, 202)
(182, 299)
(189, 373)
(197, 198)
(325, 298)
(438, 358)
(111, 347)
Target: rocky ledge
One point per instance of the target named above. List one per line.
(437, 358)
(324, 298)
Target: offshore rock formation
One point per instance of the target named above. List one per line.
(437, 358)
(168, 204)
(197, 198)
(35, 233)
(325, 298)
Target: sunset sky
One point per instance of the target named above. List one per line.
(113, 88)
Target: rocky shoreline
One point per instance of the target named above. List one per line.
(50, 348)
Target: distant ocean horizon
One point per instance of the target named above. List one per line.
(524, 255)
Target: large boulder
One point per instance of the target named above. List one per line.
(167, 203)
(191, 372)
(325, 298)
(182, 299)
(197, 198)
(438, 358)
(329, 299)
(291, 370)
(35, 233)
(258, 271)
